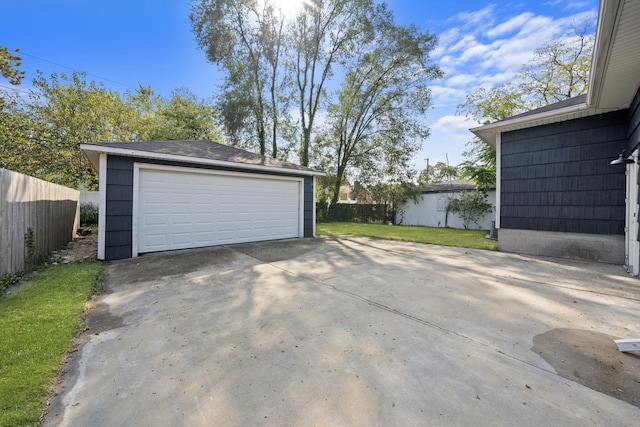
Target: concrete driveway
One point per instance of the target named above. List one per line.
(355, 331)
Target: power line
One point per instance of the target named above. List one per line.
(75, 69)
(15, 89)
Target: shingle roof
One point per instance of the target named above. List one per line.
(196, 150)
(576, 100)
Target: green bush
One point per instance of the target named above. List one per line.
(343, 212)
(470, 206)
(88, 215)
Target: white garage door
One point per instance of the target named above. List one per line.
(179, 208)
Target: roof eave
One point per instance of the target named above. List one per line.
(488, 133)
(608, 20)
(93, 154)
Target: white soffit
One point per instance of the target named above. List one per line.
(618, 73)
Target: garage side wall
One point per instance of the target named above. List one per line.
(119, 209)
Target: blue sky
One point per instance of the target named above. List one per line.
(129, 42)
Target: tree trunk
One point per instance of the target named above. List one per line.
(336, 189)
(304, 146)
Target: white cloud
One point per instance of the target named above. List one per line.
(461, 80)
(492, 80)
(486, 48)
(572, 5)
(496, 55)
(480, 18)
(465, 43)
(442, 95)
(454, 124)
(510, 25)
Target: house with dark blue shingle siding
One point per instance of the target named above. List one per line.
(557, 192)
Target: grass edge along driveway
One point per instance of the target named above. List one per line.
(474, 239)
(37, 325)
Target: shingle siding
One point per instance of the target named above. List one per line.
(119, 208)
(309, 206)
(558, 178)
(119, 212)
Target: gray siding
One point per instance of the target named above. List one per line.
(558, 178)
(119, 209)
(309, 205)
(119, 212)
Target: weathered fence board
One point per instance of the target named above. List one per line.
(51, 211)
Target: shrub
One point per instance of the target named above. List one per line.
(88, 214)
(470, 206)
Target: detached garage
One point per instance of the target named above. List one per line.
(166, 195)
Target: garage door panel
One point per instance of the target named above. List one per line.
(155, 219)
(155, 240)
(181, 219)
(178, 209)
(204, 219)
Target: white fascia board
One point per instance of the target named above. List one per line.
(197, 160)
(313, 184)
(533, 117)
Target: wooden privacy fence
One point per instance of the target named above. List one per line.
(36, 217)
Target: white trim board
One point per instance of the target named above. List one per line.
(102, 205)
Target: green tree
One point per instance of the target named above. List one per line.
(394, 195)
(17, 152)
(325, 34)
(144, 106)
(186, 117)
(40, 135)
(377, 116)
(558, 71)
(470, 206)
(10, 65)
(480, 166)
(68, 110)
(440, 172)
(246, 38)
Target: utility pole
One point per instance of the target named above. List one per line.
(427, 160)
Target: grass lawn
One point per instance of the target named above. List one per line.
(437, 236)
(37, 324)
